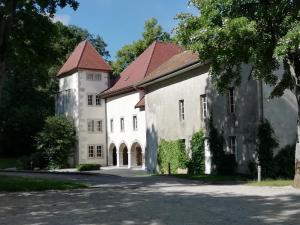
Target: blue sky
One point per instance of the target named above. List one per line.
(121, 22)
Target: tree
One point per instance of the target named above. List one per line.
(264, 34)
(266, 143)
(56, 140)
(14, 15)
(128, 53)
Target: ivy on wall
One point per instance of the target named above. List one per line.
(171, 154)
(196, 165)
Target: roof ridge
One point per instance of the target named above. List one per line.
(155, 44)
(81, 54)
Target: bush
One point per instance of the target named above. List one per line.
(35, 160)
(88, 167)
(196, 165)
(171, 153)
(56, 140)
(266, 143)
(284, 163)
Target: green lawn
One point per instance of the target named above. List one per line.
(212, 178)
(275, 183)
(7, 163)
(13, 183)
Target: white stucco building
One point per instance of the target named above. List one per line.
(80, 79)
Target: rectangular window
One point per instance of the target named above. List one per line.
(122, 126)
(89, 77)
(91, 150)
(111, 125)
(204, 108)
(232, 145)
(98, 100)
(181, 110)
(99, 126)
(134, 120)
(90, 126)
(97, 77)
(90, 99)
(99, 151)
(231, 103)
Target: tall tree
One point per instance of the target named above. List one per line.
(128, 53)
(13, 14)
(264, 34)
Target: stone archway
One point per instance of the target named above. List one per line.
(112, 155)
(136, 155)
(123, 155)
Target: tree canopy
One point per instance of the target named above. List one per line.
(230, 33)
(128, 53)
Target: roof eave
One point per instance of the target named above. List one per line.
(117, 92)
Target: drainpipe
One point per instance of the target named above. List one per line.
(261, 100)
(106, 135)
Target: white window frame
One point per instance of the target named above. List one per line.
(99, 126)
(101, 150)
(204, 107)
(88, 99)
(91, 126)
(135, 122)
(90, 77)
(231, 100)
(98, 77)
(111, 125)
(233, 146)
(91, 151)
(181, 110)
(122, 124)
(98, 100)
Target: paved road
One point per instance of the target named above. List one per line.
(144, 200)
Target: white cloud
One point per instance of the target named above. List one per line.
(64, 18)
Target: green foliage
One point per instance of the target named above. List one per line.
(88, 167)
(222, 163)
(230, 33)
(56, 140)
(284, 163)
(196, 165)
(266, 143)
(36, 184)
(128, 53)
(171, 153)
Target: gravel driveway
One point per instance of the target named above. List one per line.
(148, 200)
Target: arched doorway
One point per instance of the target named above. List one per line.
(136, 155)
(113, 155)
(123, 155)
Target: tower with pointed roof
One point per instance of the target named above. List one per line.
(83, 75)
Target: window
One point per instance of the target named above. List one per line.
(89, 77)
(204, 110)
(98, 100)
(99, 151)
(111, 125)
(99, 126)
(97, 77)
(231, 104)
(122, 124)
(90, 99)
(90, 126)
(232, 145)
(134, 120)
(181, 110)
(91, 150)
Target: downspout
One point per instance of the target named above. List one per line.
(106, 136)
(261, 101)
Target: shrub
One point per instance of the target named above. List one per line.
(55, 142)
(265, 145)
(35, 160)
(88, 167)
(171, 153)
(284, 163)
(196, 165)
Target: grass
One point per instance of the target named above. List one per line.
(7, 163)
(274, 183)
(212, 178)
(14, 183)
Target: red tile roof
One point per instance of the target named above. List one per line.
(177, 62)
(85, 56)
(141, 103)
(156, 54)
